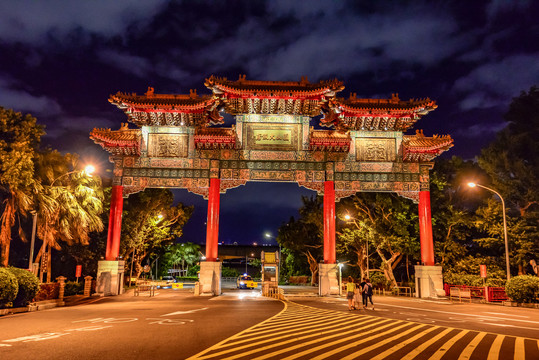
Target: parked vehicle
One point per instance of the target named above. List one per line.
(246, 282)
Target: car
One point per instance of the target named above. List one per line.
(169, 279)
(246, 282)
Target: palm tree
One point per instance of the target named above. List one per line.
(19, 140)
(69, 205)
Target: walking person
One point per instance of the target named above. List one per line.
(350, 287)
(363, 297)
(367, 291)
(358, 301)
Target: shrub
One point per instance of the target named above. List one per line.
(193, 270)
(228, 272)
(379, 281)
(73, 288)
(524, 288)
(48, 291)
(28, 286)
(9, 287)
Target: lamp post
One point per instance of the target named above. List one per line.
(269, 236)
(472, 185)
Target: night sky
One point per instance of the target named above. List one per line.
(60, 61)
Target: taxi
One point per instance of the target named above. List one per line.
(246, 282)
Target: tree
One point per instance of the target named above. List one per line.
(389, 223)
(512, 162)
(69, 205)
(181, 256)
(304, 236)
(150, 223)
(19, 141)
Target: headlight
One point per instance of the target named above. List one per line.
(242, 283)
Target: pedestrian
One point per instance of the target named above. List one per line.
(357, 295)
(350, 287)
(367, 291)
(363, 296)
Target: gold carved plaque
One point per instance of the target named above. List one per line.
(375, 149)
(271, 136)
(168, 145)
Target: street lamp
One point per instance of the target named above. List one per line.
(472, 185)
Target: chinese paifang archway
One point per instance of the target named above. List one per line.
(180, 142)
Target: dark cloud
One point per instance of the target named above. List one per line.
(61, 60)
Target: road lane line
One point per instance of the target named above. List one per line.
(445, 347)
(519, 348)
(404, 343)
(512, 326)
(468, 350)
(326, 334)
(460, 314)
(418, 350)
(495, 347)
(383, 342)
(330, 344)
(496, 313)
(359, 342)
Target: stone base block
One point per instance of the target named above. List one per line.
(429, 281)
(329, 279)
(110, 277)
(210, 278)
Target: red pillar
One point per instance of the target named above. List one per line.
(425, 229)
(329, 223)
(115, 223)
(212, 230)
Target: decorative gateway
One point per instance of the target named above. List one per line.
(180, 142)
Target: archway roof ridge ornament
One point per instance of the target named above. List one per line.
(365, 148)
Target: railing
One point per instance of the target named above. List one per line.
(496, 294)
(402, 291)
(488, 293)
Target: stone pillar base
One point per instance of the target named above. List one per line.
(329, 279)
(428, 281)
(210, 278)
(110, 277)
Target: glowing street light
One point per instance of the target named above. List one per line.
(89, 169)
(472, 185)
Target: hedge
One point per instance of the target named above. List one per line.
(73, 288)
(28, 286)
(523, 289)
(9, 287)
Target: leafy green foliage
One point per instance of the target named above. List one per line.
(523, 289)
(180, 256)
(193, 271)
(73, 288)
(19, 140)
(229, 272)
(150, 223)
(28, 286)
(303, 236)
(8, 287)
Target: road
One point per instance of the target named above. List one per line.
(244, 325)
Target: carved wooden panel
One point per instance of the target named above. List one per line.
(259, 136)
(168, 145)
(375, 149)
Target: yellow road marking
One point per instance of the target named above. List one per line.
(356, 343)
(383, 342)
(467, 352)
(519, 348)
(418, 350)
(445, 347)
(404, 343)
(311, 350)
(495, 347)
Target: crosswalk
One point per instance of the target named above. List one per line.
(303, 332)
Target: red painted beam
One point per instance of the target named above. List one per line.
(329, 223)
(212, 230)
(115, 223)
(425, 229)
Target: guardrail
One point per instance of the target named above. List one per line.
(402, 291)
(488, 293)
(460, 294)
